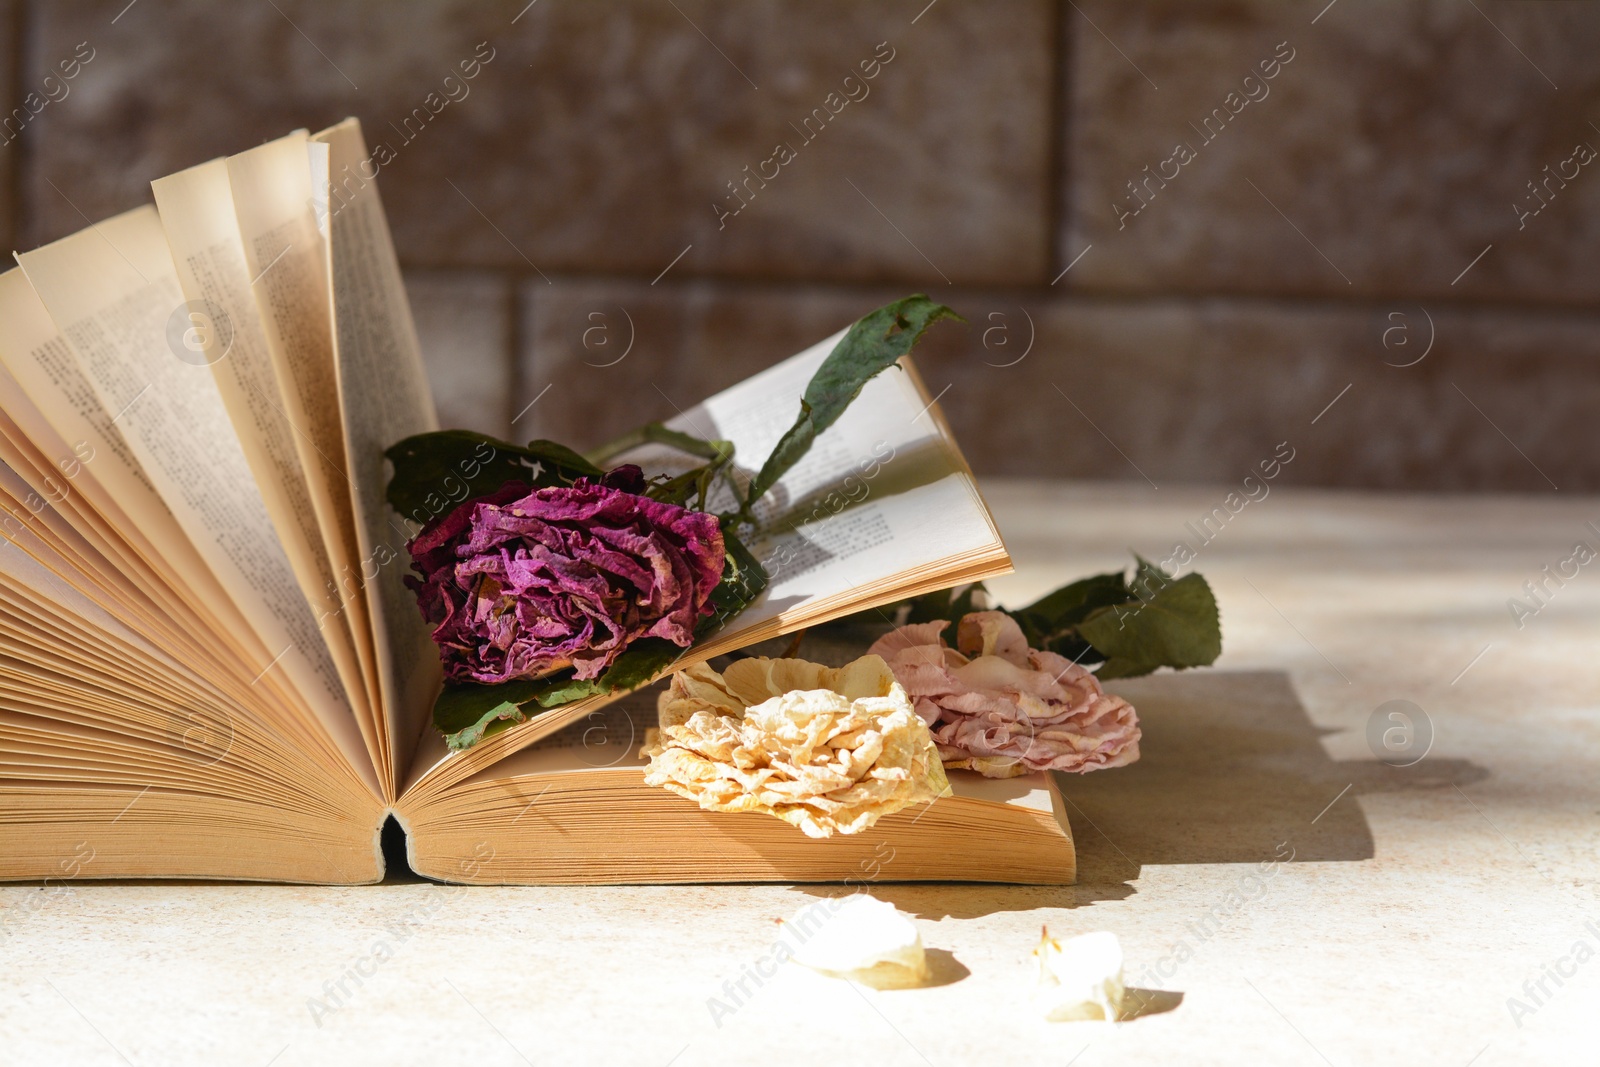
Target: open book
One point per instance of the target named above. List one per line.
(209, 663)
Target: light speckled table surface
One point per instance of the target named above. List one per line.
(1300, 901)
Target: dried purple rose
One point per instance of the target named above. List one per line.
(525, 581)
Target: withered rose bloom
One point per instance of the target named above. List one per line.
(524, 581)
(827, 749)
(1000, 708)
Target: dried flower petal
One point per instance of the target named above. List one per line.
(524, 581)
(825, 749)
(860, 939)
(1002, 709)
(1080, 978)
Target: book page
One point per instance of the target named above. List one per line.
(30, 519)
(226, 333)
(105, 736)
(58, 513)
(32, 509)
(273, 194)
(20, 567)
(882, 491)
(383, 392)
(63, 502)
(55, 405)
(113, 293)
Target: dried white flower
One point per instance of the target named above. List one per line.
(825, 749)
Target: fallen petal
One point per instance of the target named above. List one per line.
(860, 939)
(1080, 978)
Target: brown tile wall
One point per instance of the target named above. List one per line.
(708, 187)
(19, 112)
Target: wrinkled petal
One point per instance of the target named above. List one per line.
(525, 581)
(829, 750)
(1002, 709)
(917, 635)
(992, 633)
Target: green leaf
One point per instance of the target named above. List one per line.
(1171, 624)
(924, 608)
(565, 689)
(743, 579)
(693, 482)
(433, 472)
(676, 490)
(465, 712)
(644, 660)
(1051, 622)
(871, 346)
(1072, 603)
(562, 466)
(964, 602)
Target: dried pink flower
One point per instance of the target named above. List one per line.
(998, 707)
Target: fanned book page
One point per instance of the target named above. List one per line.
(113, 292)
(275, 203)
(384, 396)
(210, 665)
(81, 462)
(225, 332)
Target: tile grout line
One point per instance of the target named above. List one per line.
(1296, 303)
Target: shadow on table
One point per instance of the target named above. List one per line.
(1137, 1003)
(1231, 770)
